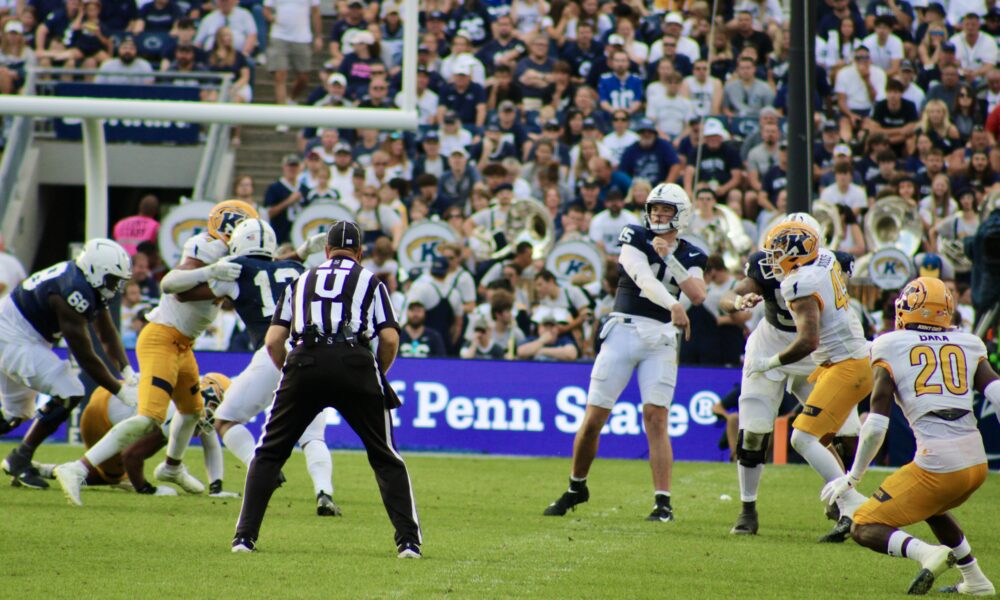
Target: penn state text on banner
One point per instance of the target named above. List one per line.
(131, 130)
(534, 408)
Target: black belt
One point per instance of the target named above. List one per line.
(313, 339)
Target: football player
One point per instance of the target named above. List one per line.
(932, 372)
(254, 295)
(166, 359)
(814, 287)
(104, 411)
(761, 393)
(58, 302)
(641, 334)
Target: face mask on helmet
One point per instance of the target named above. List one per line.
(106, 266)
(788, 246)
(663, 227)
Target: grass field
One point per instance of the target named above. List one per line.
(484, 538)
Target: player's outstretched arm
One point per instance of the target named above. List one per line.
(745, 295)
(636, 265)
(871, 438)
(110, 339)
(192, 272)
(74, 328)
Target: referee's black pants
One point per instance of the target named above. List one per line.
(347, 379)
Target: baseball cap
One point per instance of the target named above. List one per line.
(15, 27)
(431, 135)
(415, 301)
(972, 14)
(936, 6)
(313, 155)
(439, 266)
(507, 106)
(291, 159)
(363, 37)
(907, 65)
(714, 127)
(674, 17)
(590, 182)
(552, 124)
(461, 151)
(887, 20)
(842, 150)
(342, 147)
(645, 125)
(450, 115)
(336, 78)
(616, 40)
(948, 47)
(493, 124)
(500, 187)
(830, 125)
(436, 15)
(462, 68)
(589, 123)
(344, 234)
(930, 266)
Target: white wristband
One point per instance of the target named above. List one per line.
(677, 270)
(774, 362)
(738, 302)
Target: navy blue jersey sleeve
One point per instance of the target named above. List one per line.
(74, 288)
(752, 269)
(690, 255)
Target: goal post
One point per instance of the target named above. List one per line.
(93, 111)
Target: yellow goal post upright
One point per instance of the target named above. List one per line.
(93, 112)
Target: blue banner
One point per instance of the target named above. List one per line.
(143, 131)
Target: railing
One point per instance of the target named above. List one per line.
(18, 137)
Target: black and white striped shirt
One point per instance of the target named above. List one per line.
(337, 291)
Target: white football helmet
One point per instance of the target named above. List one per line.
(674, 195)
(253, 237)
(106, 266)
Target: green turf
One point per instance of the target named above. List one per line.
(484, 538)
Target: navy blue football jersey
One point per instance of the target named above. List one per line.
(63, 279)
(627, 299)
(775, 309)
(258, 289)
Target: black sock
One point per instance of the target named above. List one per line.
(26, 450)
(147, 488)
(662, 500)
(749, 507)
(576, 486)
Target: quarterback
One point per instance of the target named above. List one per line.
(814, 287)
(641, 335)
(932, 372)
(166, 359)
(53, 303)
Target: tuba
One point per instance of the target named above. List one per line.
(831, 229)
(727, 238)
(892, 223)
(527, 220)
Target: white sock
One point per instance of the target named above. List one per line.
(320, 466)
(850, 502)
(962, 550)
(818, 457)
(120, 436)
(971, 573)
(904, 544)
(240, 442)
(749, 481)
(181, 430)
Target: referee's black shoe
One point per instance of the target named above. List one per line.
(408, 550)
(325, 506)
(242, 544)
(577, 494)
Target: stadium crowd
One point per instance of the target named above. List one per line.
(580, 106)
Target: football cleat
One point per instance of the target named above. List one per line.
(981, 588)
(23, 472)
(244, 545)
(408, 550)
(940, 560)
(45, 469)
(746, 524)
(178, 474)
(165, 490)
(72, 476)
(840, 532)
(661, 513)
(568, 500)
(325, 506)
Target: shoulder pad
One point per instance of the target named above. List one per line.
(205, 248)
(690, 255)
(803, 282)
(882, 346)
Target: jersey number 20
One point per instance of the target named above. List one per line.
(954, 370)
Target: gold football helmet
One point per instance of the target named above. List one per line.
(787, 247)
(925, 304)
(225, 216)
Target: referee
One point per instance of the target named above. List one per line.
(344, 337)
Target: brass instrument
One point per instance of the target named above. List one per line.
(831, 227)
(527, 220)
(727, 238)
(892, 223)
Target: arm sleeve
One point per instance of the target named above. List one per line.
(872, 436)
(637, 266)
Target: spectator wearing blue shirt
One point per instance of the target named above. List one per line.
(584, 53)
(534, 71)
(283, 200)
(620, 89)
(466, 98)
(720, 168)
(652, 157)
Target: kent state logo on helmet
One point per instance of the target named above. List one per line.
(787, 247)
(925, 304)
(225, 216)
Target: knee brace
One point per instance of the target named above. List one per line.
(751, 448)
(57, 410)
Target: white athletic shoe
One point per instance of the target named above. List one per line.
(179, 475)
(71, 476)
(939, 560)
(165, 490)
(978, 588)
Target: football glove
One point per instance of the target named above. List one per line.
(129, 395)
(833, 490)
(224, 270)
(761, 364)
(130, 376)
(314, 245)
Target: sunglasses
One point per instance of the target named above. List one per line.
(621, 119)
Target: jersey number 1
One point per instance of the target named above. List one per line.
(954, 371)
